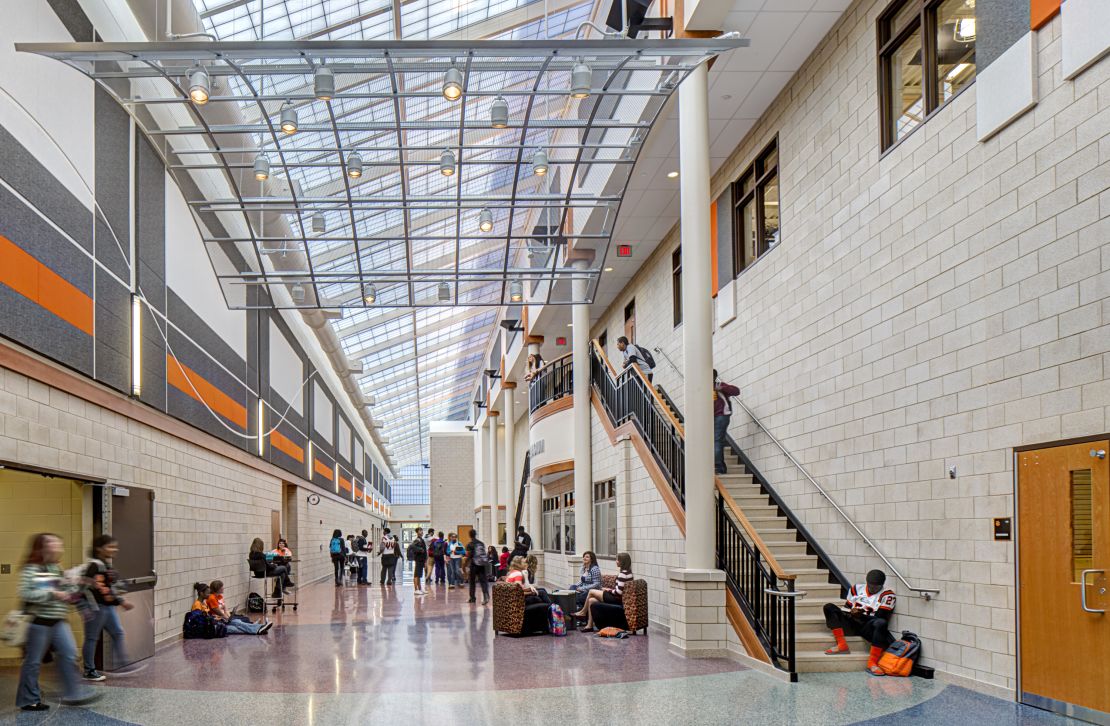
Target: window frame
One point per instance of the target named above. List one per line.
(759, 177)
(887, 40)
(605, 497)
(676, 286)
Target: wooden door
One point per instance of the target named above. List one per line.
(275, 527)
(630, 321)
(463, 531)
(1064, 555)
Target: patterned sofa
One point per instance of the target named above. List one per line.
(512, 616)
(631, 615)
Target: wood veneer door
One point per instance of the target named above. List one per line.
(1064, 550)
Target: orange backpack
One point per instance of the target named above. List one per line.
(900, 657)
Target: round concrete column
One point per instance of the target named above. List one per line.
(583, 454)
(492, 482)
(510, 461)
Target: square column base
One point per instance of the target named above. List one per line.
(574, 570)
(699, 625)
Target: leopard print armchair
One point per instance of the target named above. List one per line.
(635, 602)
(508, 608)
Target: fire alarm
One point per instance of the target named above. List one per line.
(560, 340)
(624, 250)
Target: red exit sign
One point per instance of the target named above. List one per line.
(624, 250)
(561, 340)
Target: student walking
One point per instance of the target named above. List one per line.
(362, 554)
(722, 413)
(638, 355)
(418, 555)
(338, 550)
(428, 539)
(46, 598)
(102, 583)
(479, 563)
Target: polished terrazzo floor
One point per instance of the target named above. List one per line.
(355, 654)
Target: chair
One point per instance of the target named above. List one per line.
(512, 616)
(268, 583)
(631, 614)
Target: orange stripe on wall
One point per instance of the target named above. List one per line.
(1041, 11)
(20, 271)
(713, 244)
(283, 444)
(216, 399)
(344, 483)
(324, 470)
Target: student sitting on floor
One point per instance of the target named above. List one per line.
(210, 599)
(866, 614)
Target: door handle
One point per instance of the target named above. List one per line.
(1083, 590)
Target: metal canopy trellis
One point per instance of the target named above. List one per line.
(401, 234)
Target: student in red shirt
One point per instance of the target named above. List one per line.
(503, 561)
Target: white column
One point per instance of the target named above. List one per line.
(491, 482)
(481, 488)
(535, 489)
(510, 463)
(583, 454)
(697, 317)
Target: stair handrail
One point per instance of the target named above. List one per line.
(733, 507)
(667, 358)
(925, 592)
(523, 484)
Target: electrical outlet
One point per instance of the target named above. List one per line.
(5, 569)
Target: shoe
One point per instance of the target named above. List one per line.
(472, 600)
(876, 670)
(266, 628)
(89, 697)
(93, 675)
(586, 630)
(35, 707)
(837, 650)
(485, 601)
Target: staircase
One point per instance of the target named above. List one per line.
(798, 553)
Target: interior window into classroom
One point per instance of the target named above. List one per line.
(926, 57)
(605, 518)
(755, 228)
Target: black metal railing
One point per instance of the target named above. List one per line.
(768, 606)
(523, 489)
(628, 397)
(551, 383)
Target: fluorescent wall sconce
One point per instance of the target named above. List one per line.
(261, 427)
(309, 460)
(136, 345)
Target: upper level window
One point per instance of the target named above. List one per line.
(755, 228)
(676, 286)
(926, 57)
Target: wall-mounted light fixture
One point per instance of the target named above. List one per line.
(136, 345)
(261, 427)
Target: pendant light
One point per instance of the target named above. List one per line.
(289, 118)
(319, 223)
(354, 165)
(539, 162)
(444, 292)
(516, 291)
(452, 84)
(371, 295)
(261, 168)
(199, 88)
(499, 113)
(581, 77)
(324, 84)
(485, 220)
(447, 162)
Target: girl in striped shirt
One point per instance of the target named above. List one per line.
(608, 596)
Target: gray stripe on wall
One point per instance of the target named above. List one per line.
(112, 174)
(998, 25)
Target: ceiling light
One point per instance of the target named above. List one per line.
(447, 162)
(608, 269)
(672, 174)
(956, 71)
(354, 165)
(539, 162)
(371, 295)
(324, 84)
(516, 291)
(581, 77)
(570, 325)
(288, 118)
(965, 30)
(319, 223)
(452, 84)
(261, 168)
(485, 220)
(198, 85)
(297, 293)
(444, 292)
(499, 113)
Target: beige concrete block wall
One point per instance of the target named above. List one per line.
(451, 478)
(937, 306)
(207, 507)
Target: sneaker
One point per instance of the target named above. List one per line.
(94, 675)
(266, 628)
(485, 601)
(35, 707)
(472, 600)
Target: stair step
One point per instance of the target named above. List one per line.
(809, 642)
(763, 522)
(786, 549)
(818, 662)
(772, 536)
(732, 476)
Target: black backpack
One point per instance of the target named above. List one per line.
(360, 544)
(255, 603)
(643, 355)
(195, 625)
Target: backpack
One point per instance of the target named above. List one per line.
(557, 625)
(900, 657)
(216, 628)
(336, 546)
(481, 558)
(439, 548)
(644, 355)
(360, 544)
(417, 550)
(255, 603)
(196, 625)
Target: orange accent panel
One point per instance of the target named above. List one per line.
(324, 470)
(180, 376)
(20, 271)
(344, 483)
(1041, 11)
(283, 444)
(713, 245)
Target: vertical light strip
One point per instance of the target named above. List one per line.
(136, 345)
(261, 427)
(309, 461)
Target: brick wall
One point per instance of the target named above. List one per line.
(934, 307)
(451, 457)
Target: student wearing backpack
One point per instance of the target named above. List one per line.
(388, 550)
(866, 613)
(338, 551)
(418, 556)
(102, 583)
(455, 553)
(439, 558)
(722, 414)
(362, 555)
(638, 355)
(479, 563)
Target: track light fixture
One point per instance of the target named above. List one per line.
(354, 165)
(485, 220)
(539, 162)
(516, 291)
(319, 223)
(324, 84)
(581, 77)
(447, 162)
(499, 113)
(452, 84)
(444, 292)
(371, 295)
(261, 168)
(289, 118)
(199, 88)
(297, 292)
